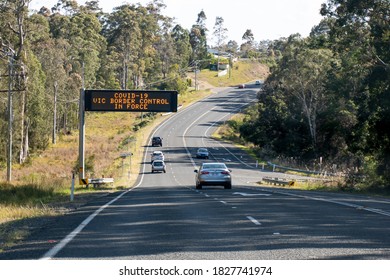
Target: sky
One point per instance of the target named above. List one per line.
(268, 19)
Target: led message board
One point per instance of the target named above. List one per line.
(130, 100)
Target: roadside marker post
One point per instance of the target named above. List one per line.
(72, 188)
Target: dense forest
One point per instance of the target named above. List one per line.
(327, 100)
(47, 56)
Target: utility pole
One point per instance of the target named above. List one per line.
(196, 75)
(82, 128)
(230, 65)
(10, 120)
(55, 113)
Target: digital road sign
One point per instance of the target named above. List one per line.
(130, 100)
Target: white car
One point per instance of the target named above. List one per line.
(213, 173)
(158, 166)
(157, 155)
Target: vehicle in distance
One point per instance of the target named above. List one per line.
(157, 141)
(213, 174)
(257, 83)
(157, 155)
(158, 166)
(202, 153)
(241, 86)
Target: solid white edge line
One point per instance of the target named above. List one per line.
(56, 249)
(351, 205)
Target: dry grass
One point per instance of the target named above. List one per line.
(241, 72)
(43, 184)
(10, 213)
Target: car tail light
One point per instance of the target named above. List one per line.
(225, 172)
(204, 172)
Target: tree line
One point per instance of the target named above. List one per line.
(52, 53)
(328, 98)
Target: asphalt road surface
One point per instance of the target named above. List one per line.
(164, 217)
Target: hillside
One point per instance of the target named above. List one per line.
(41, 187)
(242, 72)
(105, 142)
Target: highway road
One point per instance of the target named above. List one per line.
(164, 217)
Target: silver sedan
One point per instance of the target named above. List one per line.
(214, 174)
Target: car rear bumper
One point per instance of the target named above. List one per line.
(215, 182)
(158, 169)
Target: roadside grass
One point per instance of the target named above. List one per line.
(229, 132)
(41, 186)
(241, 72)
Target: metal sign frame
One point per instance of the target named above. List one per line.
(129, 101)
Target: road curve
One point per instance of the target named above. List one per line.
(165, 217)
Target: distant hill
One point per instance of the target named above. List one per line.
(243, 71)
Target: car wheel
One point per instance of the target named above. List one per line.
(228, 186)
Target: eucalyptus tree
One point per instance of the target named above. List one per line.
(360, 33)
(132, 32)
(249, 41)
(198, 38)
(80, 46)
(183, 47)
(232, 47)
(220, 35)
(13, 48)
(152, 23)
(291, 111)
(166, 49)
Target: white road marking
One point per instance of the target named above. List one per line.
(251, 194)
(56, 249)
(223, 202)
(253, 220)
(352, 205)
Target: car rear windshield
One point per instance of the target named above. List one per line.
(214, 166)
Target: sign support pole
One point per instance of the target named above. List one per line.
(82, 136)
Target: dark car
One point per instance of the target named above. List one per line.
(214, 174)
(202, 153)
(157, 141)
